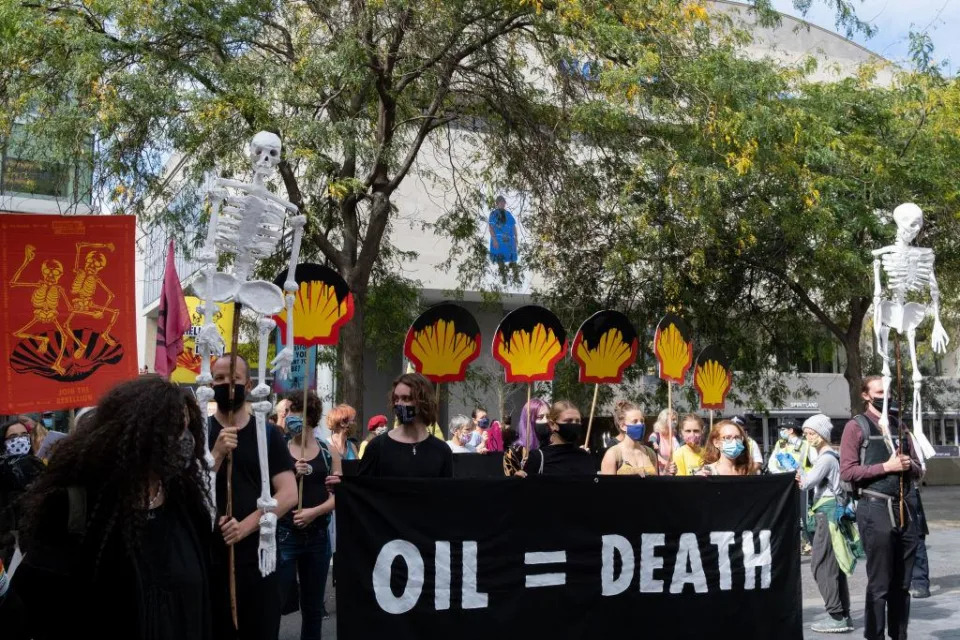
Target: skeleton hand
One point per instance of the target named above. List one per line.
(282, 364)
(939, 339)
(30, 252)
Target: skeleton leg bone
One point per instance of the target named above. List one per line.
(261, 391)
(926, 449)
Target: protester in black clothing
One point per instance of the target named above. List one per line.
(303, 547)
(563, 456)
(19, 467)
(119, 524)
(891, 546)
(409, 451)
(258, 597)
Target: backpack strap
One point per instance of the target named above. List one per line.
(864, 424)
(325, 452)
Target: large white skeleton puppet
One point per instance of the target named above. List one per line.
(909, 270)
(247, 222)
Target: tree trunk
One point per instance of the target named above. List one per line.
(351, 340)
(851, 344)
(853, 373)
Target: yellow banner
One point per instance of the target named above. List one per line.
(188, 364)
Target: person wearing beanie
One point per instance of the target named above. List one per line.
(824, 479)
(375, 426)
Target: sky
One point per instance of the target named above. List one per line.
(894, 19)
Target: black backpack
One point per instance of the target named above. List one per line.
(850, 488)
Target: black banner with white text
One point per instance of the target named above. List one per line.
(557, 558)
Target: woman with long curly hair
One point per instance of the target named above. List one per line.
(727, 451)
(121, 523)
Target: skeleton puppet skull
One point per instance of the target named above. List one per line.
(909, 219)
(265, 153)
(51, 271)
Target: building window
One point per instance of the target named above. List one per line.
(30, 170)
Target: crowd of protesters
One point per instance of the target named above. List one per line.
(128, 513)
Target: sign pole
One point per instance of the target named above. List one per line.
(235, 338)
(901, 433)
(593, 407)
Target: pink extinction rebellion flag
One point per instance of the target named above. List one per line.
(173, 319)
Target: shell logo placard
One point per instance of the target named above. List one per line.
(712, 377)
(673, 346)
(442, 341)
(529, 343)
(323, 304)
(605, 345)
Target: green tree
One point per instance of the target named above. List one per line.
(755, 215)
(356, 90)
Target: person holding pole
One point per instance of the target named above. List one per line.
(874, 463)
(233, 430)
(304, 552)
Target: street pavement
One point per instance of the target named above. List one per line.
(933, 618)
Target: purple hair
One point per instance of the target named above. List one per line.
(528, 415)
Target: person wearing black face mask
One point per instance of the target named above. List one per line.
(563, 455)
(233, 428)
(409, 451)
(871, 467)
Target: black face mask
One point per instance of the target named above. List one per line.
(405, 413)
(542, 431)
(569, 432)
(221, 393)
(892, 407)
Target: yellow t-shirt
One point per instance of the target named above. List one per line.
(687, 460)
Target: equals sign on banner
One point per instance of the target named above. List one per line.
(536, 560)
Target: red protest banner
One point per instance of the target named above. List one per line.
(68, 316)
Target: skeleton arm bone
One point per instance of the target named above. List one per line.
(110, 294)
(30, 254)
(939, 338)
(89, 245)
(877, 290)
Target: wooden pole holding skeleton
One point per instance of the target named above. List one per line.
(235, 337)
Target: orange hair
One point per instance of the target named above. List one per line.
(338, 414)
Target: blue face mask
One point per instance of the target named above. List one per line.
(294, 424)
(731, 448)
(48, 423)
(483, 423)
(635, 431)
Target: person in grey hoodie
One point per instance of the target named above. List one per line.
(824, 479)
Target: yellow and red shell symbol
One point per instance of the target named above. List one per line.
(673, 346)
(605, 345)
(442, 342)
(712, 377)
(529, 342)
(321, 307)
